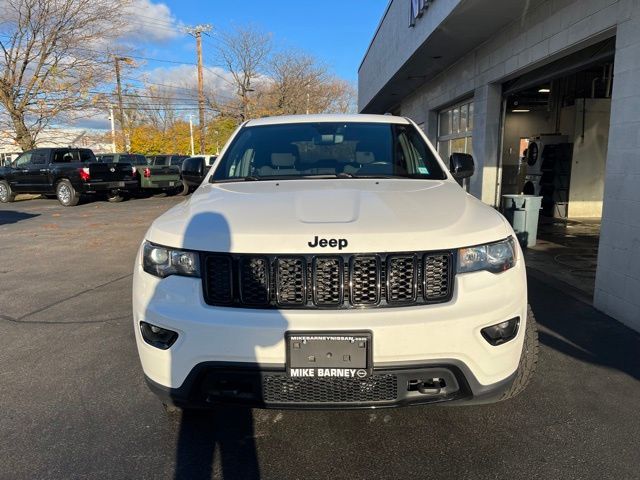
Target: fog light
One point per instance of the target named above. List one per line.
(157, 336)
(501, 332)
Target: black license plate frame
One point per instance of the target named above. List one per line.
(347, 359)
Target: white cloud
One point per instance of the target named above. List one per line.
(184, 78)
(100, 122)
(151, 22)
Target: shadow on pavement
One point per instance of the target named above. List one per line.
(227, 432)
(9, 216)
(218, 442)
(578, 330)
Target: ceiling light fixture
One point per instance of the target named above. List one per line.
(544, 90)
(520, 110)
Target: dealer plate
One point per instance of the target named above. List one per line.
(329, 354)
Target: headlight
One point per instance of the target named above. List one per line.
(163, 261)
(493, 257)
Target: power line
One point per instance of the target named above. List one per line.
(182, 90)
(137, 57)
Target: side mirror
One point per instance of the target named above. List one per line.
(461, 165)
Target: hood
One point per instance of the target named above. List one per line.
(328, 216)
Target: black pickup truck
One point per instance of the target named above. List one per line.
(66, 173)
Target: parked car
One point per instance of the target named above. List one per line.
(333, 262)
(66, 173)
(164, 178)
(194, 169)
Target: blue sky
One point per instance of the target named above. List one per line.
(337, 32)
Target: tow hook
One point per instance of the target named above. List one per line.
(431, 386)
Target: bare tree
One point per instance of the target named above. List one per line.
(244, 52)
(336, 96)
(293, 75)
(155, 106)
(298, 83)
(52, 55)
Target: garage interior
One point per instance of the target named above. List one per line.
(554, 145)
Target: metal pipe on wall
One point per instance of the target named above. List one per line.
(607, 92)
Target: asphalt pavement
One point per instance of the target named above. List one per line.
(73, 403)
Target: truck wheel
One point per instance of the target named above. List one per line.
(528, 359)
(184, 190)
(67, 195)
(115, 197)
(6, 195)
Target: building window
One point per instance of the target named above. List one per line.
(455, 129)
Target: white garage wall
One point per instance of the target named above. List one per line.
(618, 274)
(552, 30)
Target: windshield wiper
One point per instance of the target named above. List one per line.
(327, 175)
(249, 178)
(380, 176)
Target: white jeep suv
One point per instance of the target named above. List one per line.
(332, 262)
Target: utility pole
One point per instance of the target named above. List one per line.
(117, 61)
(197, 33)
(191, 133)
(113, 130)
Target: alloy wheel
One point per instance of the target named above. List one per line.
(64, 194)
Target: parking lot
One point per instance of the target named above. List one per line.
(74, 403)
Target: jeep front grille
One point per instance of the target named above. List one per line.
(327, 281)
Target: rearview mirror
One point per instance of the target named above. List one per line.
(461, 165)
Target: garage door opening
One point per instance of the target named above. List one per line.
(556, 131)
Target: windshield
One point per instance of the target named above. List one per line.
(133, 159)
(336, 149)
(73, 155)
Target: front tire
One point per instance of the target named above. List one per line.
(6, 194)
(528, 358)
(184, 190)
(66, 194)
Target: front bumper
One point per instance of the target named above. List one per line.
(213, 383)
(101, 187)
(446, 335)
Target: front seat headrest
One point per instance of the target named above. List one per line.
(283, 160)
(365, 157)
